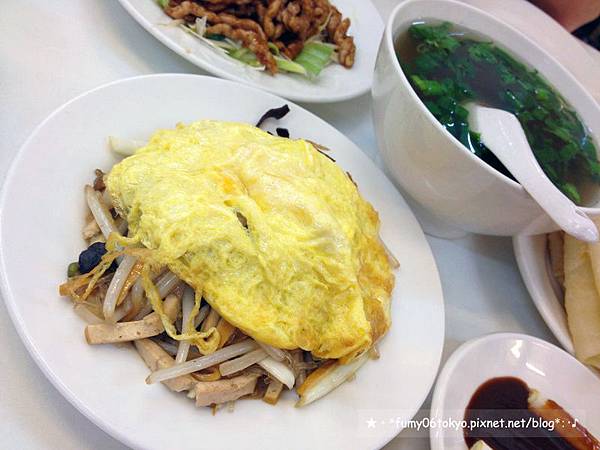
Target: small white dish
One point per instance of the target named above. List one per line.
(335, 83)
(43, 210)
(543, 366)
(531, 253)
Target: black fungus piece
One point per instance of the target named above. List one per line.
(274, 113)
(282, 132)
(90, 257)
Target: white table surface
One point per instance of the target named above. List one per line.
(52, 51)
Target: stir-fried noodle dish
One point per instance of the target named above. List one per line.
(239, 263)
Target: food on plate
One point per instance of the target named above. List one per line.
(480, 445)
(449, 66)
(505, 414)
(581, 274)
(556, 243)
(246, 262)
(297, 36)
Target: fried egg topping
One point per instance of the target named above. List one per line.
(273, 233)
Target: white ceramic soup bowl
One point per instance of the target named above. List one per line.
(428, 163)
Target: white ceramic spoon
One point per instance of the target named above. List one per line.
(502, 133)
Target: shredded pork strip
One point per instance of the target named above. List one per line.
(288, 24)
(247, 31)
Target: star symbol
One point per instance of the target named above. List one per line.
(557, 420)
(371, 423)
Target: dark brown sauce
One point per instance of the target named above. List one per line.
(516, 427)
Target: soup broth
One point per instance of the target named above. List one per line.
(448, 67)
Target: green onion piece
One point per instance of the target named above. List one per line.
(274, 49)
(73, 269)
(289, 66)
(163, 3)
(314, 57)
(244, 55)
(214, 37)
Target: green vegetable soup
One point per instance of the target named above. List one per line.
(448, 67)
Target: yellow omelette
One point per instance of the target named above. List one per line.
(273, 233)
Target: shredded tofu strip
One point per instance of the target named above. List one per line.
(223, 391)
(151, 325)
(273, 392)
(156, 358)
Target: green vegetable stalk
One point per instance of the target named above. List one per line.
(314, 57)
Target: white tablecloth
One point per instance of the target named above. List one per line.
(52, 51)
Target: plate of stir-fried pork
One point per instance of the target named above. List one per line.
(304, 50)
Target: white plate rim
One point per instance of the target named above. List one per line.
(317, 97)
(541, 291)
(10, 302)
(18, 320)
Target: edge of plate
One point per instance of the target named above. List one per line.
(561, 335)
(17, 320)
(9, 301)
(454, 360)
(315, 98)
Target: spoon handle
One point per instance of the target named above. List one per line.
(503, 134)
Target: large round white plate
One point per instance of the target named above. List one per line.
(335, 83)
(42, 215)
(543, 366)
(532, 258)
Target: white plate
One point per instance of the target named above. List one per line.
(543, 366)
(335, 83)
(42, 215)
(533, 260)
